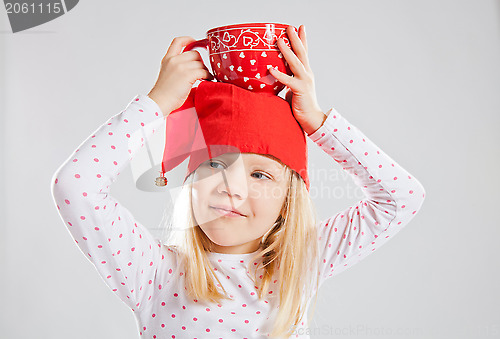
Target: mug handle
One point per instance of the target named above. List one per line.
(195, 44)
(203, 43)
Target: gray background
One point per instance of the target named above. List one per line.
(420, 78)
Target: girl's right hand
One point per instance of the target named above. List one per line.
(178, 73)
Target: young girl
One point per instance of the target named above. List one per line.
(249, 273)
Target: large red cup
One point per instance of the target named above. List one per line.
(241, 54)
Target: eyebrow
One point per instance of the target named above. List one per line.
(271, 163)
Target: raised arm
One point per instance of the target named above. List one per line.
(393, 197)
(124, 252)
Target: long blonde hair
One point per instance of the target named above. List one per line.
(290, 243)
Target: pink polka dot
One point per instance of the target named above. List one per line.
(113, 147)
(75, 160)
(96, 160)
(77, 176)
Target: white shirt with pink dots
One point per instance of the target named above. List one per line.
(146, 275)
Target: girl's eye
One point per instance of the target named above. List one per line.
(217, 163)
(213, 162)
(263, 175)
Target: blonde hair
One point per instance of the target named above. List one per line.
(290, 243)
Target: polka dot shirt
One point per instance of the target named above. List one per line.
(145, 274)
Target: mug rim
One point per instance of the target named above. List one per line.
(248, 24)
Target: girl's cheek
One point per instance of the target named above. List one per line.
(266, 191)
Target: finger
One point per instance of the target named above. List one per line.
(303, 38)
(189, 56)
(285, 79)
(178, 44)
(205, 74)
(296, 66)
(198, 66)
(297, 45)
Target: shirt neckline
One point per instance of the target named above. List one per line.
(232, 257)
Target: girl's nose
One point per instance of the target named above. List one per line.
(234, 183)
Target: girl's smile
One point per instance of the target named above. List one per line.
(227, 213)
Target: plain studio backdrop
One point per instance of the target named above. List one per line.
(420, 78)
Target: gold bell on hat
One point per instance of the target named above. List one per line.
(161, 181)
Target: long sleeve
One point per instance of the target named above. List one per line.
(392, 197)
(124, 252)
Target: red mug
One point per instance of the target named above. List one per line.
(241, 54)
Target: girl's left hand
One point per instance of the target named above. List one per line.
(301, 93)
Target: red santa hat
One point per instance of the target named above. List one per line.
(219, 118)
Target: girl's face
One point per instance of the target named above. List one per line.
(252, 184)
